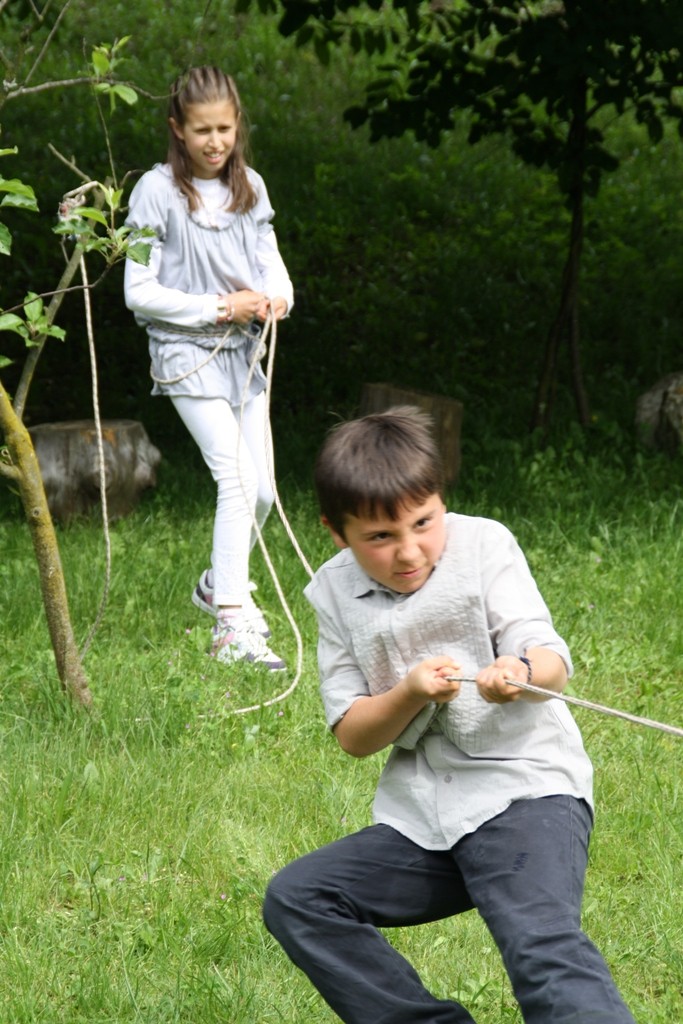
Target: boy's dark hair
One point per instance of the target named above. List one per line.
(377, 464)
(209, 84)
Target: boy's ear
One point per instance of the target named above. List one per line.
(336, 537)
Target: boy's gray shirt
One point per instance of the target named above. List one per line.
(457, 764)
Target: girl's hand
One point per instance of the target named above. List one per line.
(276, 306)
(245, 306)
(428, 680)
(496, 681)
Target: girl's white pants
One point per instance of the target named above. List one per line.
(238, 449)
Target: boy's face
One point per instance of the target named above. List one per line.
(399, 553)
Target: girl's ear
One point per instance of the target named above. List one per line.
(336, 537)
(175, 128)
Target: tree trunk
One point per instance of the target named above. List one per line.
(69, 459)
(580, 396)
(566, 323)
(446, 414)
(25, 472)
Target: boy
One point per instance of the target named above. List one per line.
(486, 798)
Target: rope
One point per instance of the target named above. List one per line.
(232, 329)
(578, 702)
(270, 325)
(100, 451)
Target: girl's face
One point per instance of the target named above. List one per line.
(209, 135)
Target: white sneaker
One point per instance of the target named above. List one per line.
(252, 612)
(202, 598)
(237, 640)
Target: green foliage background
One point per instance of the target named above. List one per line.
(433, 269)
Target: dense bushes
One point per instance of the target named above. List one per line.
(437, 269)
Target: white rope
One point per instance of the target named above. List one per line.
(101, 467)
(578, 702)
(76, 196)
(270, 325)
(200, 366)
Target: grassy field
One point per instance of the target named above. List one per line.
(136, 841)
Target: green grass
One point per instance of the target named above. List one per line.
(136, 841)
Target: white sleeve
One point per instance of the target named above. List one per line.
(517, 615)
(276, 281)
(145, 296)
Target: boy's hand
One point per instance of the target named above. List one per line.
(496, 681)
(428, 680)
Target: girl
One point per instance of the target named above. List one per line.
(214, 275)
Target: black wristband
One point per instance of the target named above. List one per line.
(528, 668)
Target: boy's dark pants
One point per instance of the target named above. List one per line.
(523, 871)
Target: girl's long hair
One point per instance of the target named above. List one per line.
(209, 85)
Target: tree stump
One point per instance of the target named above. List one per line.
(659, 414)
(69, 465)
(446, 414)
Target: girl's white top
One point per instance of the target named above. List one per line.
(196, 256)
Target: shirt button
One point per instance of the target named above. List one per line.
(448, 778)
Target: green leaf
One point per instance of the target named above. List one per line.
(18, 194)
(356, 116)
(91, 213)
(4, 361)
(139, 252)
(322, 50)
(125, 93)
(5, 240)
(296, 14)
(33, 307)
(11, 322)
(100, 61)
